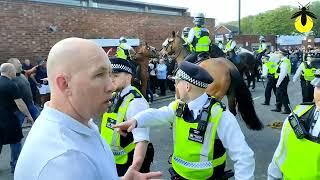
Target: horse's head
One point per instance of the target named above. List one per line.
(172, 45)
(148, 51)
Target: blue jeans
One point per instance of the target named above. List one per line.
(16, 148)
(15, 152)
(34, 111)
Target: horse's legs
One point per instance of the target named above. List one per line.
(248, 78)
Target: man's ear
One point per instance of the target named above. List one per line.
(188, 86)
(62, 83)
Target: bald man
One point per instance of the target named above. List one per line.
(64, 143)
(10, 102)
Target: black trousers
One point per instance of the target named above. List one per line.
(153, 83)
(282, 95)
(145, 168)
(162, 83)
(271, 85)
(193, 57)
(307, 90)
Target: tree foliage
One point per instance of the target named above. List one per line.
(277, 21)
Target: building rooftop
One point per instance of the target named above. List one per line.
(123, 5)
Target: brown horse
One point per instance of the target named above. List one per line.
(227, 81)
(144, 53)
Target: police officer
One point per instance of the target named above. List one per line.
(297, 155)
(282, 74)
(199, 38)
(202, 130)
(306, 73)
(124, 50)
(185, 33)
(220, 45)
(269, 69)
(133, 148)
(262, 48)
(230, 47)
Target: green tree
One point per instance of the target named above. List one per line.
(277, 21)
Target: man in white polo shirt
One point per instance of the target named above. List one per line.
(64, 143)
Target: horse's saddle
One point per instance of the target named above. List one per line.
(202, 56)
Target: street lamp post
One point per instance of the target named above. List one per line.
(239, 17)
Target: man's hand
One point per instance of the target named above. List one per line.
(126, 126)
(277, 85)
(133, 174)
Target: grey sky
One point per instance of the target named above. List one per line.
(227, 10)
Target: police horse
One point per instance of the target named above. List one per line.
(227, 80)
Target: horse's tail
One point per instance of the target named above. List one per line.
(244, 100)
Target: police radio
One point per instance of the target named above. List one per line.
(297, 127)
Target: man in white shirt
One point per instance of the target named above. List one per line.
(298, 152)
(200, 140)
(64, 143)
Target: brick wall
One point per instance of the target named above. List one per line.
(24, 26)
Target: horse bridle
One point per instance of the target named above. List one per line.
(171, 49)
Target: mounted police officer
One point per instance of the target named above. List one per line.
(306, 73)
(282, 74)
(269, 69)
(220, 45)
(199, 38)
(134, 148)
(298, 152)
(202, 130)
(262, 48)
(185, 33)
(124, 50)
(230, 47)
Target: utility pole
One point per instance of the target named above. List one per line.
(239, 17)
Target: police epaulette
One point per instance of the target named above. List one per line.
(223, 106)
(307, 103)
(135, 93)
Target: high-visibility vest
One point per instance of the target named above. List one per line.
(262, 47)
(307, 72)
(272, 67)
(122, 53)
(228, 45)
(288, 63)
(190, 47)
(298, 158)
(195, 160)
(110, 135)
(201, 41)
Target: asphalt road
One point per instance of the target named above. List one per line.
(263, 143)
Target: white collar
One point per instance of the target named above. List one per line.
(126, 90)
(199, 102)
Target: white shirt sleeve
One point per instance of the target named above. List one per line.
(264, 70)
(273, 169)
(237, 148)
(298, 73)
(264, 46)
(283, 72)
(137, 105)
(155, 117)
(233, 44)
(190, 35)
(70, 165)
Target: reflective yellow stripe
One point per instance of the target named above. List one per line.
(219, 161)
(130, 147)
